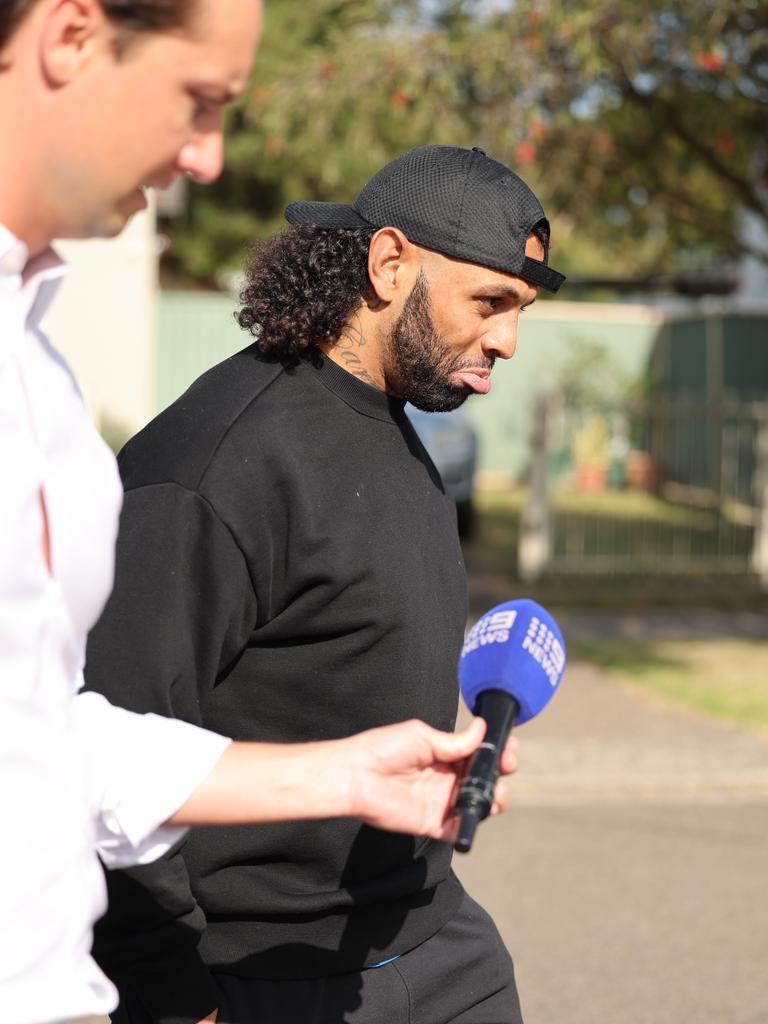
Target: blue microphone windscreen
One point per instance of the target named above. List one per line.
(516, 647)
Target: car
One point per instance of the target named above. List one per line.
(451, 441)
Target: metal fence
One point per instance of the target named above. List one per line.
(650, 487)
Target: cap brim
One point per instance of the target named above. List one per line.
(324, 215)
(540, 274)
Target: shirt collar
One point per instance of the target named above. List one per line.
(35, 281)
(13, 258)
(356, 393)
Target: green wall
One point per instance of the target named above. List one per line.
(548, 343)
(724, 356)
(197, 330)
(745, 357)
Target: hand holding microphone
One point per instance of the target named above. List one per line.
(510, 666)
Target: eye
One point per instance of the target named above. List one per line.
(204, 106)
(491, 302)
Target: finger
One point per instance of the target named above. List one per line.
(508, 762)
(512, 744)
(500, 798)
(450, 829)
(449, 747)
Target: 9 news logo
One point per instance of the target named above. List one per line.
(491, 629)
(544, 647)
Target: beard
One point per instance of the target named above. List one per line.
(420, 362)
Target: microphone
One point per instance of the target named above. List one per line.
(510, 666)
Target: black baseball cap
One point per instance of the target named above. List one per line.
(458, 202)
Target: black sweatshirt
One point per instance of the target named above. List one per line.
(288, 569)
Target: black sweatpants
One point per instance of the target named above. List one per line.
(462, 975)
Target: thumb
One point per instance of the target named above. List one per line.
(450, 747)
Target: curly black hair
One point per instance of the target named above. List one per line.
(302, 286)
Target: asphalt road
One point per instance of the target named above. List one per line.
(631, 913)
(629, 877)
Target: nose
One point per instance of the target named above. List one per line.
(203, 157)
(502, 341)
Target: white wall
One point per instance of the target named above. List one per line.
(104, 322)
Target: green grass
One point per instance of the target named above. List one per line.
(622, 506)
(725, 678)
(628, 530)
(602, 505)
(633, 505)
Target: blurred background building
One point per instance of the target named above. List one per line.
(628, 435)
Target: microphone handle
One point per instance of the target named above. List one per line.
(475, 796)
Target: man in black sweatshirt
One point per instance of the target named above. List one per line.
(288, 570)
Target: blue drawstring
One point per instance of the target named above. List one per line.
(383, 963)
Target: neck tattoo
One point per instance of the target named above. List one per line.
(350, 339)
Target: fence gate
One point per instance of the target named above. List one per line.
(650, 487)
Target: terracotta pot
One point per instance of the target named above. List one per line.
(640, 471)
(590, 478)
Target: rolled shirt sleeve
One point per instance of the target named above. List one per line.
(141, 768)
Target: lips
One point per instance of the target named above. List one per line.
(479, 382)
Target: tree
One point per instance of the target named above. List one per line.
(641, 126)
(663, 108)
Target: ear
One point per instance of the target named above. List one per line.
(393, 264)
(72, 31)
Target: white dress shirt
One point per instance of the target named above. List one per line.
(76, 774)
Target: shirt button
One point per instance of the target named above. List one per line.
(12, 262)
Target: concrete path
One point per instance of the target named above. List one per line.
(629, 877)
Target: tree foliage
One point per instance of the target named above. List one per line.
(641, 126)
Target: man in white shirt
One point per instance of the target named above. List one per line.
(97, 101)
